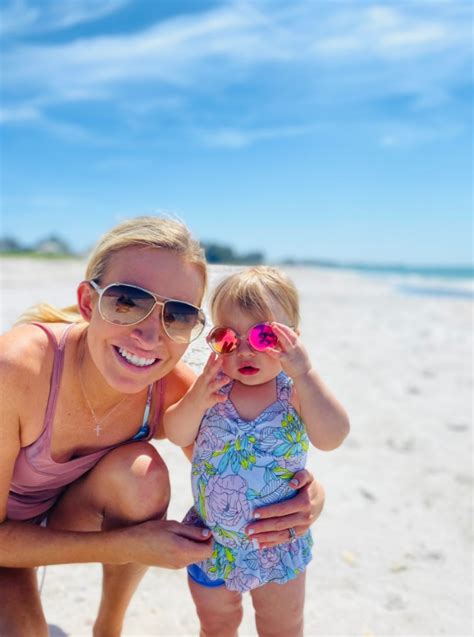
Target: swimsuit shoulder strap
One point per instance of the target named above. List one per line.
(58, 364)
(284, 387)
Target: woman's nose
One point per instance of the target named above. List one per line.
(150, 330)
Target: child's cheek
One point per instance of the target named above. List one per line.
(228, 366)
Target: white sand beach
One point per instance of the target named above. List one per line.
(393, 546)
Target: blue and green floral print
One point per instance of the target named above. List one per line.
(238, 466)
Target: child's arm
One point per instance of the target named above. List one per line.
(325, 419)
(181, 421)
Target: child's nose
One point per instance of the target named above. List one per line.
(245, 349)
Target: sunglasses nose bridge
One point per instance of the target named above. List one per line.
(244, 347)
(150, 329)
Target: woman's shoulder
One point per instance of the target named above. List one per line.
(25, 350)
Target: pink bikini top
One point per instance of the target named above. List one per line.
(38, 480)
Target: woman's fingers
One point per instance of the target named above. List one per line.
(301, 478)
(272, 522)
(196, 533)
(301, 502)
(274, 538)
(271, 525)
(168, 544)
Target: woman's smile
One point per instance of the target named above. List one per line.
(134, 359)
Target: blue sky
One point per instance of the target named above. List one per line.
(317, 129)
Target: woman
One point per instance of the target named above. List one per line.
(83, 391)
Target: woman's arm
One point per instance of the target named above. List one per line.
(167, 544)
(23, 544)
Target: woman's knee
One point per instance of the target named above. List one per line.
(137, 483)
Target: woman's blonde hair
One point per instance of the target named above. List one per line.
(255, 291)
(145, 232)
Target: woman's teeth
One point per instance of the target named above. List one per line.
(136, 360)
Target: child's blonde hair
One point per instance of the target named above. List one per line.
(145, 232)
(255, 290)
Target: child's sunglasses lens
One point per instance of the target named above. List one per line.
(124, 304)
(261, 337)
(223, 340)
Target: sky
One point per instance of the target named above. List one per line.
(303, 129)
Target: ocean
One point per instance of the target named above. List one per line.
(454, 282)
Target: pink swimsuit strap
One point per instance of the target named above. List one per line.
(58, 365)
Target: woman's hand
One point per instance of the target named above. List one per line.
(299, 513)
(167, 544)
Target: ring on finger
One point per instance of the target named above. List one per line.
(293, 536)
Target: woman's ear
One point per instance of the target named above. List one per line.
(84, 300)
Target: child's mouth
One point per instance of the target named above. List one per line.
(248, 370)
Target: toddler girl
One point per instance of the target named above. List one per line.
(251, 415)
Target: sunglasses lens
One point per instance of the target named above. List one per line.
(125, 304)
(223, 340)
(183, 322)
(261, 337)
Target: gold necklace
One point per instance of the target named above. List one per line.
(97, 421)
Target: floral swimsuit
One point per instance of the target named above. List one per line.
(239, 465)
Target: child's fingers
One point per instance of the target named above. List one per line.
(286, 337)
(273, 353)
(212, 366)
(216, 384)
(285, 329)
(210, 361)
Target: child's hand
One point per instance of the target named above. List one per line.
(292, 355)
(205, 391)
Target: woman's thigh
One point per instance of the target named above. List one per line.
(128, 485)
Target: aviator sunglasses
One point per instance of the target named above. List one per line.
(124, 304)
(225, 340)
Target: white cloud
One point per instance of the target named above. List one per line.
(408, 30)
(22, 113)
(21, 17)
(239, 138)
(342, 53)
(405, 135)
(29, 115)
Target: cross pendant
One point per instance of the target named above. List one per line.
(97, 428)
